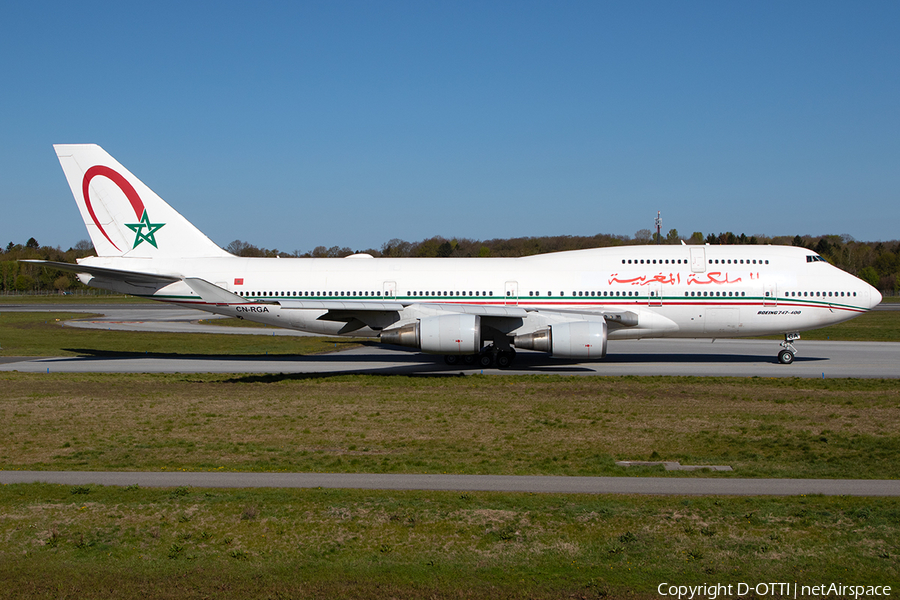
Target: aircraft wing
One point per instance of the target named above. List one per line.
(335, 305)
(625, 318)
(379, 315)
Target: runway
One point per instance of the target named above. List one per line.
(544, 484)
(727, 357)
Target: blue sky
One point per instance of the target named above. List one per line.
(294, 125)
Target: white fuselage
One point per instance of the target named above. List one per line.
(676, 291)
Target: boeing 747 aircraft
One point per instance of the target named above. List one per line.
(470, 310)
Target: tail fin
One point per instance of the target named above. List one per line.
(122, 215)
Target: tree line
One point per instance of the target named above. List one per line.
(16, 276)
(878, 263)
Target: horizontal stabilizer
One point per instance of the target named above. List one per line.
(134, 277)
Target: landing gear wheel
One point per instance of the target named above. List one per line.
(451, 359)
(486, 360)
(505, 359)
(785, 357)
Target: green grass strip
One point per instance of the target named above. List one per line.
(110, 542)
(536, 425)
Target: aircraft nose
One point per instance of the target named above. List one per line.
(874, 297)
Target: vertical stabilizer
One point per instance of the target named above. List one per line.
(122, 215)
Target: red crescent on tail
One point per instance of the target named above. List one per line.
(136, 203)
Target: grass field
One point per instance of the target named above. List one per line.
(96, 542)
(492, 425)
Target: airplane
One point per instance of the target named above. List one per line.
(473, 311)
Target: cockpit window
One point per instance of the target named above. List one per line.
(815, 258)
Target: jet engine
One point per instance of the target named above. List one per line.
(578, 339)
(445, 334)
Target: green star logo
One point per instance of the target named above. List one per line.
(138, 229)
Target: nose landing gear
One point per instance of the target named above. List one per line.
(786, 356)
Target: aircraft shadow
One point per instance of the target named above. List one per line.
(702, 358)
(413, 361)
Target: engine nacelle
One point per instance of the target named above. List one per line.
(578, 339)
(445, 334)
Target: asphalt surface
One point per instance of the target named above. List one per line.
(735, 358)
(888, 306)
(687, 486)
(731, 358)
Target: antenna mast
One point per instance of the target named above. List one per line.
(658, 226)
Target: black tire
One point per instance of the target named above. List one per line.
(504, 360)
(469, 359)
(485, 360)
(785, 357)
(451, 359)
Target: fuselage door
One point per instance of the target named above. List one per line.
(769, 297)
(654, 294)
(512, 293)
(390, 289)
(698, 259)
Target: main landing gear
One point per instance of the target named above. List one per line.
(487, 358)
(786, 356)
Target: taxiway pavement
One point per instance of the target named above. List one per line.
(547, 484)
